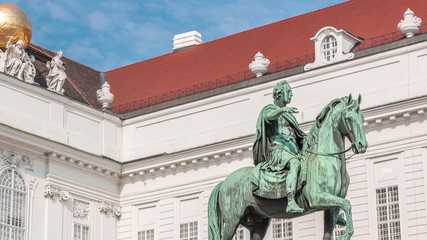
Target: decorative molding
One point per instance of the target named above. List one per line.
(32, 186)
(52, 192)
(188, 162)
(81, 210)
(91, 167)
(404, 114)
(14, 160)
(114, 210)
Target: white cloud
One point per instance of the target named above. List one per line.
(83, 53)
(99, 21)
(58, 12)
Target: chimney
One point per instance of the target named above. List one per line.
(186, 40)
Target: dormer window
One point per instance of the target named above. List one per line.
(331, 46)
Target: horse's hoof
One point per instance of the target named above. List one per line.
(341, 221)
(294, 208)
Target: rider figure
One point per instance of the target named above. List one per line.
(278, 141)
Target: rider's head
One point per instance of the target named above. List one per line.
(282, 93)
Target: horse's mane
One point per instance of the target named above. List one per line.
(313, 135)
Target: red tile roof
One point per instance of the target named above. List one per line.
(279, 41)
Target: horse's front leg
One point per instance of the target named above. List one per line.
(324, 199)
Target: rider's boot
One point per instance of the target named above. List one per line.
(291, 183)
(292, 205)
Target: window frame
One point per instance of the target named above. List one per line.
(145, 231)
(284, 226)
(394, 159)
(82, 225)
(387, 204)
(82, 222)
(189, 237)
(26, 222)
(329, 54)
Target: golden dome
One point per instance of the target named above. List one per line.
(14, 22)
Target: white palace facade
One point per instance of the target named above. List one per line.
(71, 171)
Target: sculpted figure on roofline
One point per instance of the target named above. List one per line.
(16, 62)
(56, 78)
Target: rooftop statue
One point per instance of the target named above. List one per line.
(294, 174)
(56, 77)
(15, 55)
(16, 62)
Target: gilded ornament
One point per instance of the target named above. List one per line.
(14, 22)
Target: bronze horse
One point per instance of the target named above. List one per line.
(232, 202)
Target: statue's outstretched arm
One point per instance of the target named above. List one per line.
(276, 113)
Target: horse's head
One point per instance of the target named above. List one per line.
(352, 120)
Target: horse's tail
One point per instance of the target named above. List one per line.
(214, 215)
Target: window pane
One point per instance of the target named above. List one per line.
(188, 231)
(329, 48)
(81, 232)
(282, 229)
(146, 234)
(13, 198)
(388, 216)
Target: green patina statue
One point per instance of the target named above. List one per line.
(294, 174)
(276, 149)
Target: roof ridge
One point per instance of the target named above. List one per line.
(280, 21)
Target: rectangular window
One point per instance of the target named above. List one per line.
(339, 230)
(146, 235)
(282, 229)
(188, 231)
(388, 217)
(239, 235)
(81, 232)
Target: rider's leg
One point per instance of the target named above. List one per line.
(291, 183)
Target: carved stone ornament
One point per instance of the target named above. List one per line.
(260, 65)
(56, 77)
(16, 62)
(80, 209)
(115, 210)
(410, 24)
(105, 97)
(54, 192)
(15, 160)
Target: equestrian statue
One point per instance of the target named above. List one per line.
(295, 174)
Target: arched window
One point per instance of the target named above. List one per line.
(13, 197)
(329, 48)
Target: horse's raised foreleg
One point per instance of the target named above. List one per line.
(323, 199)
(330, 219)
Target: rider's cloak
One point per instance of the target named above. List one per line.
(263, 142)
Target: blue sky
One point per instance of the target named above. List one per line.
(108, 34)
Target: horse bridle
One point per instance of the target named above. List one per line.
(341, 152)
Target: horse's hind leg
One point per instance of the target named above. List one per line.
(258, 230)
